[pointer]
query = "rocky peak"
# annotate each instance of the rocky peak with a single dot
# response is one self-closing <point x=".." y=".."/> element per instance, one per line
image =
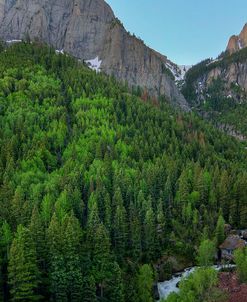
<point x="237" y="42"/>
<point x="88" y="30"/>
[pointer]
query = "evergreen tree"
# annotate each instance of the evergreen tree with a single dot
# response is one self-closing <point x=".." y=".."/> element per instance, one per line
<point x="119" y="231"/>
<point x="101" y="258"/>
<point x="149" y="234"/>
<point x="114" y="285"/>
<point x="135" y="233"/>
<point x="57" y="265"/>
<point x="224" y="196"/>
<point x="220" y="231"/>
<point x="23" y="269"/>
<point x="5" y="243"/>
<point x="145" y="283"/>
<point x="72" y="240"/>
<point x="89" y="290"/>
<point x="37" y="232"/>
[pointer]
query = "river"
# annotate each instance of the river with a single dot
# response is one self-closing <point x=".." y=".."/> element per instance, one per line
<point x="170" y="286"/>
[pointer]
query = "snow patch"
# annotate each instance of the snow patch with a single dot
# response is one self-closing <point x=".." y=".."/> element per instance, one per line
<point x="94" y="64"/>
<point x="60" y="51"/>
<point x="178" y="71"/>
<point x="184" y="69"/>
<point x="13" y="41"/>
<point x="239" y="44"/>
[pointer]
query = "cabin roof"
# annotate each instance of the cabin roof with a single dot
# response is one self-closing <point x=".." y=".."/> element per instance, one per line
<point x="232" y="242"/>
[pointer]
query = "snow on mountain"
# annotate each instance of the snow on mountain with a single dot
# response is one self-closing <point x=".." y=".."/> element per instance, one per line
<point x="60" y="51"/>
<point x="184" y="69"/>
<point x="178" y="71"/>
<point x="239" y="44"/>
<point x="13" y="41"/>
<point x="94" y="64"/>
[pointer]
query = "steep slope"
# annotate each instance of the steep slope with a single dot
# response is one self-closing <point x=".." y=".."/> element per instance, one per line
<point x="238" y="42"/>
<point x="87" y="30"/>
<point x="94" y="182"/>
<point x="218" y="88"/>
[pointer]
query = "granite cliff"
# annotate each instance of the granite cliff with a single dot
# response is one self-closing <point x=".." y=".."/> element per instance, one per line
<point x="88" y="30"/>
<point x="238" y="42"/>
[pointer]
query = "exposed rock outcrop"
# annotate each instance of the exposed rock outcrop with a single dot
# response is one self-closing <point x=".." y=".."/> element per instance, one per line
<point x="233" y="82"/>
<point x="238" y="42"/>
<point x="88" y="29"/>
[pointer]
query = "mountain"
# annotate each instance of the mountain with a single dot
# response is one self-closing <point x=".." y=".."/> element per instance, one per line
<point x="89" y="31"/>
<point x="217" y="88"/>
<point x="238" y="42"/>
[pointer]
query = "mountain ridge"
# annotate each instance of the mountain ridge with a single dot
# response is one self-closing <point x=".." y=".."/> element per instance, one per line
<point x="87" y="30"/>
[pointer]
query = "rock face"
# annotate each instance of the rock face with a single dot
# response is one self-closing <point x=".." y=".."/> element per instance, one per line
<point x="230" y="70"/>
<point x="88" y="29"/>
<point x="238" y="42"/>
<point x="234" y="80"/>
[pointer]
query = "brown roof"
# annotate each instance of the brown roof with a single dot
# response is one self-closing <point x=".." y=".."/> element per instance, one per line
<point x="232" y="242"/>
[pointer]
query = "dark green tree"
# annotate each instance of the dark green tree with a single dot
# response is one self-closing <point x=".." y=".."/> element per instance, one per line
<point x="22" y="268"/>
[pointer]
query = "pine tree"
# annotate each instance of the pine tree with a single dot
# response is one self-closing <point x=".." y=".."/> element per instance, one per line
<point x="161" y="224"/>
<point x="119" y="226"/>
<point x="101" y="257"/>
<point x="224" y="196"/>
<point x="37" y="232"/>
<point x="72" y="240"/>
<point x="149" y="234"/>
<point x="46" y="209"/>
<point x="114" y="285"/>
<point x="145" y="283"/>
<point x="135" y="233"/>
<point x="57" y="268"/>
<point x="17" y="206"/>
<point x="23" y="269"/>
<point x="5" y="244"/>
<point x="89" y="290"/>
<point x="220" y="231"/>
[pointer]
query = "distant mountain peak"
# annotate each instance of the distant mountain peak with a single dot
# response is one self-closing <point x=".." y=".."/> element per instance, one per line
<point x="238" y="42"/>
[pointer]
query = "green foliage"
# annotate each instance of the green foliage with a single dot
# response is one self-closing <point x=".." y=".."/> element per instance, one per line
<point x="145" y="280"/>
<point x="220" y="231"/>
<point x="102" y="180"/>
<point x="23" y="269"/>
<point x="206" y="253"/>
<point x="240" y="258"/>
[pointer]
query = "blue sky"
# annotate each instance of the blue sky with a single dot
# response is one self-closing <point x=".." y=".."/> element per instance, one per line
<point x="187" y="31"/>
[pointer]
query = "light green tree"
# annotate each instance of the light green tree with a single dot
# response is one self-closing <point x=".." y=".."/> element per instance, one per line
<point x="206" y="253"/>
<point x="145" y="281"/>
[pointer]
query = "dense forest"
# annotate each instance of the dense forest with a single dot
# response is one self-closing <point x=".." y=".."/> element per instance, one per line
<point x="98" y="182"/>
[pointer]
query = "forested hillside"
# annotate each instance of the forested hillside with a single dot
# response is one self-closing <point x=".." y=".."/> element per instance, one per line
<point x="96" y="182"/>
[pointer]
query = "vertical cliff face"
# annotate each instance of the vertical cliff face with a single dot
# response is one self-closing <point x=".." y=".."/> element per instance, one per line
<point x="236" y="43"/>
<point x="88" y="29"/>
